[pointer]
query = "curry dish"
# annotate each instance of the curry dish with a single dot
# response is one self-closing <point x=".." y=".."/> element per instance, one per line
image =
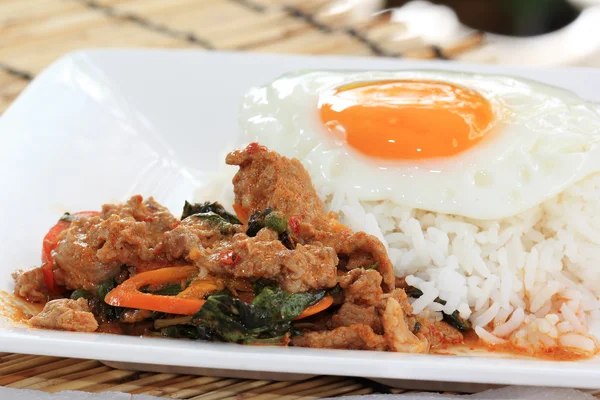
<point x="280" y="271"/>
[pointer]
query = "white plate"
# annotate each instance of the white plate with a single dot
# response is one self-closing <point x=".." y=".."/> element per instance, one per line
<point x="99" y="126"/>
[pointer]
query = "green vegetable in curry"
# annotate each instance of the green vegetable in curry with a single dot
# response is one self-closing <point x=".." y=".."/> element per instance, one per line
<point x="267" y="319"/>
<point x="104" y="288"/>
<point x="273" y="220"/>
<point x="81" y="294"/>
<point x="97" y="304"/>
<point x="276" y="221"/>
<point x="257" y="221"/>
<point x="216" y="220"/>
<point x="166" y="290"/>
<point x="208" y="207"/>
<point x="226" y="228"/>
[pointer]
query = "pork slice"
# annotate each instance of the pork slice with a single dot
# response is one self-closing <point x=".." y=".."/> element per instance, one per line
<point x="305" y="268"/>
<point x="92" y="250"/>
<point x="355" y="337"/>
<point x="362" y="287"/>
<point x="352" y="314"/>
<point x="397" y="333"/>
<point x="66" y="315"/>
<point x="267" y="179"/>
<point x="30" y="285"/>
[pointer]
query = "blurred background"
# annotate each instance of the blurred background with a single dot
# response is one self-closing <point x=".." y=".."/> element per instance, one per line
<point x="34" y="33"/>
<point x="511" y="17"/>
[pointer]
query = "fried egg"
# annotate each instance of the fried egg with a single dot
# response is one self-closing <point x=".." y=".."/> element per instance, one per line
<point x="479" y="146"/>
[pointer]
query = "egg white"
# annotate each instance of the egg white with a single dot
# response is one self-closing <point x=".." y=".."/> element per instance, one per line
<point x="544" y="139"/>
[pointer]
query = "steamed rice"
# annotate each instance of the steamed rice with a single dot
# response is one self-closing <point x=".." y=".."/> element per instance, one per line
<point x="531" y="280"/>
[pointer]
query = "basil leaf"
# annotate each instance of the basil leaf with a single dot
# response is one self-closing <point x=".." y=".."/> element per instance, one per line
<point x="207" y="207"/>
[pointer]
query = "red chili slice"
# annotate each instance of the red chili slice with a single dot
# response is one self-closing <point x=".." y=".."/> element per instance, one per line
<point x="229" y="258"/>
<point x="294" y="223"/>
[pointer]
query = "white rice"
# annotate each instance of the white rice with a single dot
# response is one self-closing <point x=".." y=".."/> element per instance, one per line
<point x="532" y="280"/>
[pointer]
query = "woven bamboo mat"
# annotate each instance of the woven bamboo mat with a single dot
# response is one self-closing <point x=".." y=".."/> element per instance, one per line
<point x="55" y="374"/>
<point x="33" y="33"/>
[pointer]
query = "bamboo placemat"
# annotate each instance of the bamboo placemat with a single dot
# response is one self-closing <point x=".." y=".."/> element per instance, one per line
<point x="33" y="33"/>
<point x="55" y="374"/>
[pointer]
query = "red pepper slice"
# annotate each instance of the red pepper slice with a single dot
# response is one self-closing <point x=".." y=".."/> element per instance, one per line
<point x="254" y="147"/>
<point x="128" y="294"/>
<point x="294" y="223"/>
<point x="229" y="258"/>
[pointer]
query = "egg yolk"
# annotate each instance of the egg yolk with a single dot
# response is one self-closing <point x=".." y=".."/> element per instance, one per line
<point x="407" y="119"/>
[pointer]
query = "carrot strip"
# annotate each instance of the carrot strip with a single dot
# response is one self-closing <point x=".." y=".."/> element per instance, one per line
<point x="188" y="302"/>
<point x="199" y="288"/>
<point x="127" y="294"/>
<point x="322" y="305"/>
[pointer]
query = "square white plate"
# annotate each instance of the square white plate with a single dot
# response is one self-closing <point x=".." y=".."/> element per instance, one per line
<point x="98" y="126"/>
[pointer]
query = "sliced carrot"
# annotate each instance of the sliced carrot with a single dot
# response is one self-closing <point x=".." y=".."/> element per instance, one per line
<point x="240" y="285"/>
<point x="199" y="288"/>
<point x="241" y="213"/>
<point x="322" y="305"/>
<point x="128" y="294"/>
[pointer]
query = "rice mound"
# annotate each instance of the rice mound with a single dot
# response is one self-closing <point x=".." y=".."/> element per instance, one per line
<point x="531" y="281"/>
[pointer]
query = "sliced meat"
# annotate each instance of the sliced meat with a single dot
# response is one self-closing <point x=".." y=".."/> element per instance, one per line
<point x="438" y="333"/>
<point x="367" y="304"/>
<point x="76" y="256"/>
<point x="362" y="287"/>
<point x="304" y="268"/>
<point x="66" y="315"/>
<point x="355" y="337"/>
<point x="266" y="179"/>
<point x="266" y="235"/>
<point x="195" y="232"/>
<point x="352" y="314"/>
<point x="400" y="296"/>
<point x="362" y="249"/>
<point x="158" y="217"/>
<point x="93" y="249"/>
<point x="122" y="239"/>
<point x="360" y="260"/>
<point x="396" y="332"/>
<point x="30" y="285"/>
